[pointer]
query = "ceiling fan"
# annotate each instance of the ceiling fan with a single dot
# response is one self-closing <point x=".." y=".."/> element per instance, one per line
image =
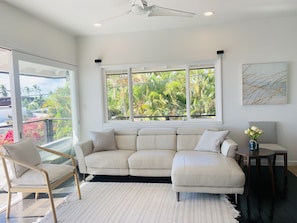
<point x="140" y="7"/>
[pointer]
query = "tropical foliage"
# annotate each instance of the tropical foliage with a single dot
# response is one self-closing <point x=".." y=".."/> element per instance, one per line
<point x="161" y="95"/>
<point x="57" y="116"/>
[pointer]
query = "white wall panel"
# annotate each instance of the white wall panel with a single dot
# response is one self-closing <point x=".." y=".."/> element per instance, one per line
<point x="25" y="33"/>
<point x="270" y="40"/>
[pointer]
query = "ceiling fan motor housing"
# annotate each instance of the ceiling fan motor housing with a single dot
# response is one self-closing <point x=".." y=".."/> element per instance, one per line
<point x="139" y="7"/>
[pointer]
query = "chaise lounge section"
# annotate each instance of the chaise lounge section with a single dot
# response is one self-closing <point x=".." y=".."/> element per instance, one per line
<point x="205" y="169"/>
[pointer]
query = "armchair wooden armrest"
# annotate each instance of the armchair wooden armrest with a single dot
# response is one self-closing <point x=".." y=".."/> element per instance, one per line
<point x="58" y="154"/>
<point x="20" y="162"/>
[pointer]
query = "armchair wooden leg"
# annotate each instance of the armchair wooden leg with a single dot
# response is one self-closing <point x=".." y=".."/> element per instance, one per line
<point x="77" y="184"/>
<point x="50" y="196"/>
<point x="8" y="204"/>
<point x="36" y="195"/>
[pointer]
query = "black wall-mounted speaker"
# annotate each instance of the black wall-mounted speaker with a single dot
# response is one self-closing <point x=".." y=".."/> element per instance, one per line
<point x="220" y="52"/>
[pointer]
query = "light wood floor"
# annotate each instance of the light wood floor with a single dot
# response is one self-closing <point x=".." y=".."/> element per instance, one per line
<point x="31" y="210"/>
<point x="293" y="169"/>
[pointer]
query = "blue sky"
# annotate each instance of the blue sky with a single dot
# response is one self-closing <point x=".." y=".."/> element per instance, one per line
<point x="46" y="84"/>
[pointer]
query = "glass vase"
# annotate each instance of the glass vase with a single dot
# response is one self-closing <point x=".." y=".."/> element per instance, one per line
<point x="253" y="145"/>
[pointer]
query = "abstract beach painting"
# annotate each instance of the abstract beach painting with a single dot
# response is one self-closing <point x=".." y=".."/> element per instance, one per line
<point x="264" y="83"/>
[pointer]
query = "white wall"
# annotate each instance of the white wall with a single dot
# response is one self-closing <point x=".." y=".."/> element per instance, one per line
<point x="25" y="33"/>
<point x="22" y="32"/>
<point x="271" y="40"/>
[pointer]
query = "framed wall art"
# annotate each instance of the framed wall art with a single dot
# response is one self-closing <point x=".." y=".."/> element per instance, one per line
<point x="264" y="83"/>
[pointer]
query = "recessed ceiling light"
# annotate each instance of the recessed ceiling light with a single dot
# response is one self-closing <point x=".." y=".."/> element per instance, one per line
<point x="97" y="24"/>
<point x="209" y="13"/>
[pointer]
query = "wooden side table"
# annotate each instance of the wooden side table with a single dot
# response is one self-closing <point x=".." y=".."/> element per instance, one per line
<point x="257" y="155"/>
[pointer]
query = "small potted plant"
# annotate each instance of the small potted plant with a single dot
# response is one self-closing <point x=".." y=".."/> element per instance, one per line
<point x="254" y="133"/>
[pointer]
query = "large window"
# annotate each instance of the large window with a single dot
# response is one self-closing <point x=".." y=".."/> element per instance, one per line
<point x="202" y="92"/>
<point x="159" y="95"/>
<point x="163" y="93"/>
<point x="117" y="96"/>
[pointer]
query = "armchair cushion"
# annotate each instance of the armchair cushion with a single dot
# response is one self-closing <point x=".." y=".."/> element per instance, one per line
<point x="103" y="141"/>
<point x="211" y="140"/>
<point x="24" y="150"/>
<point x="36" y="178"/>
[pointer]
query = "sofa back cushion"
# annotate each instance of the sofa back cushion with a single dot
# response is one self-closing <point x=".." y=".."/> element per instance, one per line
<point x="188" y="138"/>
<point x="156" y="139"/>
<point x="126" y="138"/>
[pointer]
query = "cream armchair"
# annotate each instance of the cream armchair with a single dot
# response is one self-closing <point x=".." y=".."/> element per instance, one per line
<point x="24" y="171"/>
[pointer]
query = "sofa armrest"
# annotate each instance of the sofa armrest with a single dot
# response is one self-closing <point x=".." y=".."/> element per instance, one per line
<point x="82" y="149"/>
<point x="229" y="147"/>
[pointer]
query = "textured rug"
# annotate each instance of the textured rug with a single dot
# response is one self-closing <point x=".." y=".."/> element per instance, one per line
<point x="142" y="203"/>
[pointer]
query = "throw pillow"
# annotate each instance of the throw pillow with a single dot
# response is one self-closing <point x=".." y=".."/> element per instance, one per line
<point x="24" y="150"/>
<point x="103" y="141"/>
<point x="211" y="140"/>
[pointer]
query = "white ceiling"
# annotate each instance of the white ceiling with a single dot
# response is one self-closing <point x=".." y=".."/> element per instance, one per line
<point x="78" y="16"/>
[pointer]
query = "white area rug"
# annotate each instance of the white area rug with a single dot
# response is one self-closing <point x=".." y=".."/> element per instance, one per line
<point x="142" y="203"/>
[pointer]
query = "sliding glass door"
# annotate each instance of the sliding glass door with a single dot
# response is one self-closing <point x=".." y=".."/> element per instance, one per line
<point x="42" y="103"/>
<point x="37" y="100"/>
<point x="46" y="103"/>
<point x="6" y="123"/>
<point x="6" y="133"/>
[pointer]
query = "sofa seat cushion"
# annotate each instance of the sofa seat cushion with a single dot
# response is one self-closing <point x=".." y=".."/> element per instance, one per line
<point x="196" y="168"/>
<point x="115" y="159"/>
<point x="151" y="159"/>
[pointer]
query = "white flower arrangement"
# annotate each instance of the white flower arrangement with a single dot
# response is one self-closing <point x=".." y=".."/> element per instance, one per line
<point x="253" y="132"/>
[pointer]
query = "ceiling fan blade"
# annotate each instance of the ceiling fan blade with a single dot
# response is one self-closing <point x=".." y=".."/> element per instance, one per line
<point x="161" y="11"/>
<point x="114" y="17"/>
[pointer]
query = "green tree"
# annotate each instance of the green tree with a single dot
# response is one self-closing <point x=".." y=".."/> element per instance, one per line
<point x="202" y="93"/>
<point x="3" y="90"/>
<point x="118" y="99"/>
<point x="58" y="105"/>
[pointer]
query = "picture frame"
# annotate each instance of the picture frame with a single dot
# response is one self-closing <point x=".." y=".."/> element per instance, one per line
<point x="264" y="83"/>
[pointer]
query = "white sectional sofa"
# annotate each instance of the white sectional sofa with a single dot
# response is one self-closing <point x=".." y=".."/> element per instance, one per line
<point x="184" y="154"/>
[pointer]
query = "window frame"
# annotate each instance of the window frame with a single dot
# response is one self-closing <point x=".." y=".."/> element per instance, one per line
<point x="17" y="56"/>
<point x="132" y="68"/>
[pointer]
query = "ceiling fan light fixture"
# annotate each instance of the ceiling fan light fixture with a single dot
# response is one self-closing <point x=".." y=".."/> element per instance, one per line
<point x="209" y="13"/>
